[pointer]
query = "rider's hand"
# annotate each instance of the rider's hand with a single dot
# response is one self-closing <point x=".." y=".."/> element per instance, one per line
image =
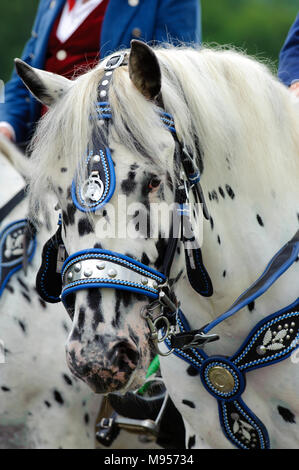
<point x="7" y="132"/>
<point x="295" y="88"/>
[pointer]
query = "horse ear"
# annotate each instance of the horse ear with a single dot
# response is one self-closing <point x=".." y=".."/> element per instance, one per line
<point x="144" y="69"/>
<point x="47" y="87"/>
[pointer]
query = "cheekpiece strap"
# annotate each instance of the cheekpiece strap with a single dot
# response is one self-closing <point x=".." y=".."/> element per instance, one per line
<point x="99" y="186"/>
<point x="48" y="279"/>
<point x="103" y="268"/>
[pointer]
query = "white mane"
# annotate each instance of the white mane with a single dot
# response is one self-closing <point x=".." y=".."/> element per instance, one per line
<point x="230" y="103"/>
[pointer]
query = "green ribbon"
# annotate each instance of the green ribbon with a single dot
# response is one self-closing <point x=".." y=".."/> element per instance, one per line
<point x="153" y="367"/>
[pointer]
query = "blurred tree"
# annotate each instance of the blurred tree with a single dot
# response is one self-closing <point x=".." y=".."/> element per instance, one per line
<point x="16" y="22"/>
<point x="258" y="26"/>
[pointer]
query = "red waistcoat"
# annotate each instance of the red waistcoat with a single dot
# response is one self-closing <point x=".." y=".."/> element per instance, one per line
<point x="81" y="51"/>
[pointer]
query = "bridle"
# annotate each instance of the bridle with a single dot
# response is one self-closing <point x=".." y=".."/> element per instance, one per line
<point x="98" y="268"/>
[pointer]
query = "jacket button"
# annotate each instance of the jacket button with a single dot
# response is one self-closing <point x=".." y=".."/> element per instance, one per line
<point x="61" y="55"/>
<point x="31" y="55"/>
<point x="34" y="34"/>
<point x="136" y="32"/>
<point x="53" y="3"/>
<point x="133" y="3"/>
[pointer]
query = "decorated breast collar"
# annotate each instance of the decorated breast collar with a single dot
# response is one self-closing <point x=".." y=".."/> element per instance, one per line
<point x="272" y="340"/>
<point x="13" y="250"/>
<point x="17" y="241"/>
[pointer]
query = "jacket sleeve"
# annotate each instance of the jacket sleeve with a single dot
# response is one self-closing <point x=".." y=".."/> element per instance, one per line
<point x="288" y="69"/>
<point x="178" y="21"/>
<point x="16" y="107"/>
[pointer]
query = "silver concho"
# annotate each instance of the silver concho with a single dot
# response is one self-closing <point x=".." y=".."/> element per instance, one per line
<point x="93" y="188"/>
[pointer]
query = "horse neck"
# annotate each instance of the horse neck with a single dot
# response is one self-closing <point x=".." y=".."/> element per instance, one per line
<point x="252" y="217"/>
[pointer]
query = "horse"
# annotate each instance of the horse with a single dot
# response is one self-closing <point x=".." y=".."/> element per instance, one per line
<point x="42" y="406"/>
<point x="214" y="136"/>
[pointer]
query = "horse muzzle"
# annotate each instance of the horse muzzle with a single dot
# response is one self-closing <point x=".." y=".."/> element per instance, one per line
<point x="107" y="369"/>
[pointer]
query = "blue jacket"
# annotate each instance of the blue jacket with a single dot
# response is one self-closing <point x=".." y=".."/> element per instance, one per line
<point x="156" y="20"/>
<point x="288" y="69"/>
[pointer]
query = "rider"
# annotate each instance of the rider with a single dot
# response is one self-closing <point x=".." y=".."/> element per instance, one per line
<point x="288" y="70"/>
<point x="72" y="34"/>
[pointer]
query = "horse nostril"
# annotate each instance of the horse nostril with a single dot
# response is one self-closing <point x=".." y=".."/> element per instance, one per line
<point x="124" y="355"/>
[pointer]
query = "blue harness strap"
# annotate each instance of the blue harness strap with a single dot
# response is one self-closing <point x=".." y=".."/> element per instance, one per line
<point x="12" y="250"/>
<point x="272" y="340"/>
<point x="280" y="262"/>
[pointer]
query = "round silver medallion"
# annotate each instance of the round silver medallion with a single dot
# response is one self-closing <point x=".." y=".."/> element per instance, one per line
<point x="93" y="188"/>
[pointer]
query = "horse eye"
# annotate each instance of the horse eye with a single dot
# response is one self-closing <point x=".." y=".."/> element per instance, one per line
<point x="154" y="182"/>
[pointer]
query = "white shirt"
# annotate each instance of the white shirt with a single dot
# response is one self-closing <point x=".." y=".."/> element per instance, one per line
<point x="69" y="22"/>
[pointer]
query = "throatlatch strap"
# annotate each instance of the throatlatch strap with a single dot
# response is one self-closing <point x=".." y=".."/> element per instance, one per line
<point x="276" y="267"/>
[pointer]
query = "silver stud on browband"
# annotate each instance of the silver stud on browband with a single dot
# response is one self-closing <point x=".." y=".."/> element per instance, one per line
<point x="101" y="265"/>
<point x="77" y="267"/>
<point x="144" y="281"/>
<point x="70" y="276"/>
<point x="112" y="273"/>
<point x="105" y="82"/>
<point x="96" y="158"/>
<point x="103" y="93"/>
<point x="88" y="272"/>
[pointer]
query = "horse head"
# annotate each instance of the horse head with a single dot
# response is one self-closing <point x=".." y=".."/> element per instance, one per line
<point x="117" y="202"/>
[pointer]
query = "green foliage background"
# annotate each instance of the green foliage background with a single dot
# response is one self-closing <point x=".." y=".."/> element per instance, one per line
<point x="258" y="26"/>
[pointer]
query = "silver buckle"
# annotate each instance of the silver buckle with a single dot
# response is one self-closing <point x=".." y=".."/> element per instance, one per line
<point x="60" y="258"/>
<point x="120" y="59"/>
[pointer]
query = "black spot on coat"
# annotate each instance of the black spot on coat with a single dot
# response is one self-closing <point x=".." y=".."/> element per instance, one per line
<point x="188" y="403"/>
<point x="128" y="185"/>
<point x="260" y="220"/>
<point x="286" y="414"/>
<point x="192" y="371"/>
<point x="58" y="397"/>
<point x="229" y="191"/>
<point x="67" y="379"/>
<point x="221" y="192"/>
<point x="84" y="227"/>
<point x="23" y="284"/>
<point x="191" y="442"/>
